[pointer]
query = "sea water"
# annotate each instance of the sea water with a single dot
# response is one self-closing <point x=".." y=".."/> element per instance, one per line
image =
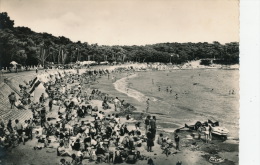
<point x="197" y="95"/>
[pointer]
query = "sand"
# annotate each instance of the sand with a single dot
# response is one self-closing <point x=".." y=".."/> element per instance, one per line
<point x="189" y="154"/>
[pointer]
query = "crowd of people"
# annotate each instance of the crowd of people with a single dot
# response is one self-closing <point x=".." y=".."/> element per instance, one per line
<point x="65" y="118"/>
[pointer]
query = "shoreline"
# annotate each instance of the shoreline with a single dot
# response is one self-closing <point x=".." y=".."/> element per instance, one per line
<point x="122" y="85"/>
<point x="200" y="152"/>
<point x="209" y="115"/>
<point x="199" y="156"/>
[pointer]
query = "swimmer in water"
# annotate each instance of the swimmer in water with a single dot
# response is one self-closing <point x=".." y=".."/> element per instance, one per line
<point x="176" y="96"/>
<point x="170" y="89"/>
<point x="159" y="88"/>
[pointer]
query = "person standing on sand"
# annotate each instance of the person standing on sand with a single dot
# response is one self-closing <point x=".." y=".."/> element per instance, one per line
<point x="199" y="130"/>
<point x="147" y="123"/>
<point x="2" y="127"/>
<point x="12" y="99"/>
<point x="147" y="105"/>
<point x="50" y="104"/>
<point x="150" y="142"/>
<point x="112" y="79"/>
<point x="206" y="133"/>
<point x="153" y="126"/>
<point x="18" y="127"/>
<point x="177" y="141"/>
<point x="9" y="126"/>
<point x="116" y="103"/>
<point x="210" y="135"/>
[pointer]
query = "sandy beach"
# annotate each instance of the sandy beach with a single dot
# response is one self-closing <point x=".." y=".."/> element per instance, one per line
<point x="135" y="88"/>
<point x="181" y="114"/>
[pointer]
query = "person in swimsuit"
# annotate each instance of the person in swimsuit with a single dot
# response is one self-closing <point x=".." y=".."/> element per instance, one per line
<point x="206" y="133"/>
<point x="147" y="105"/>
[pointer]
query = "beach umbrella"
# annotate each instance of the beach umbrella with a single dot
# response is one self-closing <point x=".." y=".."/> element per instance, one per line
<point x="13" y="63"/>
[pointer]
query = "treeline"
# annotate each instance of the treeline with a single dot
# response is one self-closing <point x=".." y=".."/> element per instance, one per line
<point x="27" y="47"/>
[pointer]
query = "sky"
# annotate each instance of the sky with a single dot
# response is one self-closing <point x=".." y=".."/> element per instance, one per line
<point x="129" y="22"/>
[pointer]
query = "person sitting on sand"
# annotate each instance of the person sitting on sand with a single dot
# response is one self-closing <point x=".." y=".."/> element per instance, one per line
<point x="42" y="98"/>
<point x="76" y="159"/>
<point x="118" y="158"/>
<point x="165" y="147"/>
<point x="63" y="162"/>
<point x="61" y="151"/>
<point x="160" y="139"/>
<point x="100" y="152"/>
<point x="116" y="119"/>
<point x="105" y="105"/>
<point x="137" y="125"/>
<point x="179" y="163"/>
<point x="150" y="161"/>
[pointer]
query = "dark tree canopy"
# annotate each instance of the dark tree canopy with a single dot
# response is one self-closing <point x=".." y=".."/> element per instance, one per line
<point x="5" y="21"/>
<point x="27" y="47"/>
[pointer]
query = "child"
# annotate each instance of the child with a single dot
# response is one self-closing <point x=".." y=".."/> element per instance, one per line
<point x="150" y="161"/>
<point x="160" y="139"/>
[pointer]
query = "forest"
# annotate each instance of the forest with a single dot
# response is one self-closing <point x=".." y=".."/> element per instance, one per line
<point x="27" y="47"/>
